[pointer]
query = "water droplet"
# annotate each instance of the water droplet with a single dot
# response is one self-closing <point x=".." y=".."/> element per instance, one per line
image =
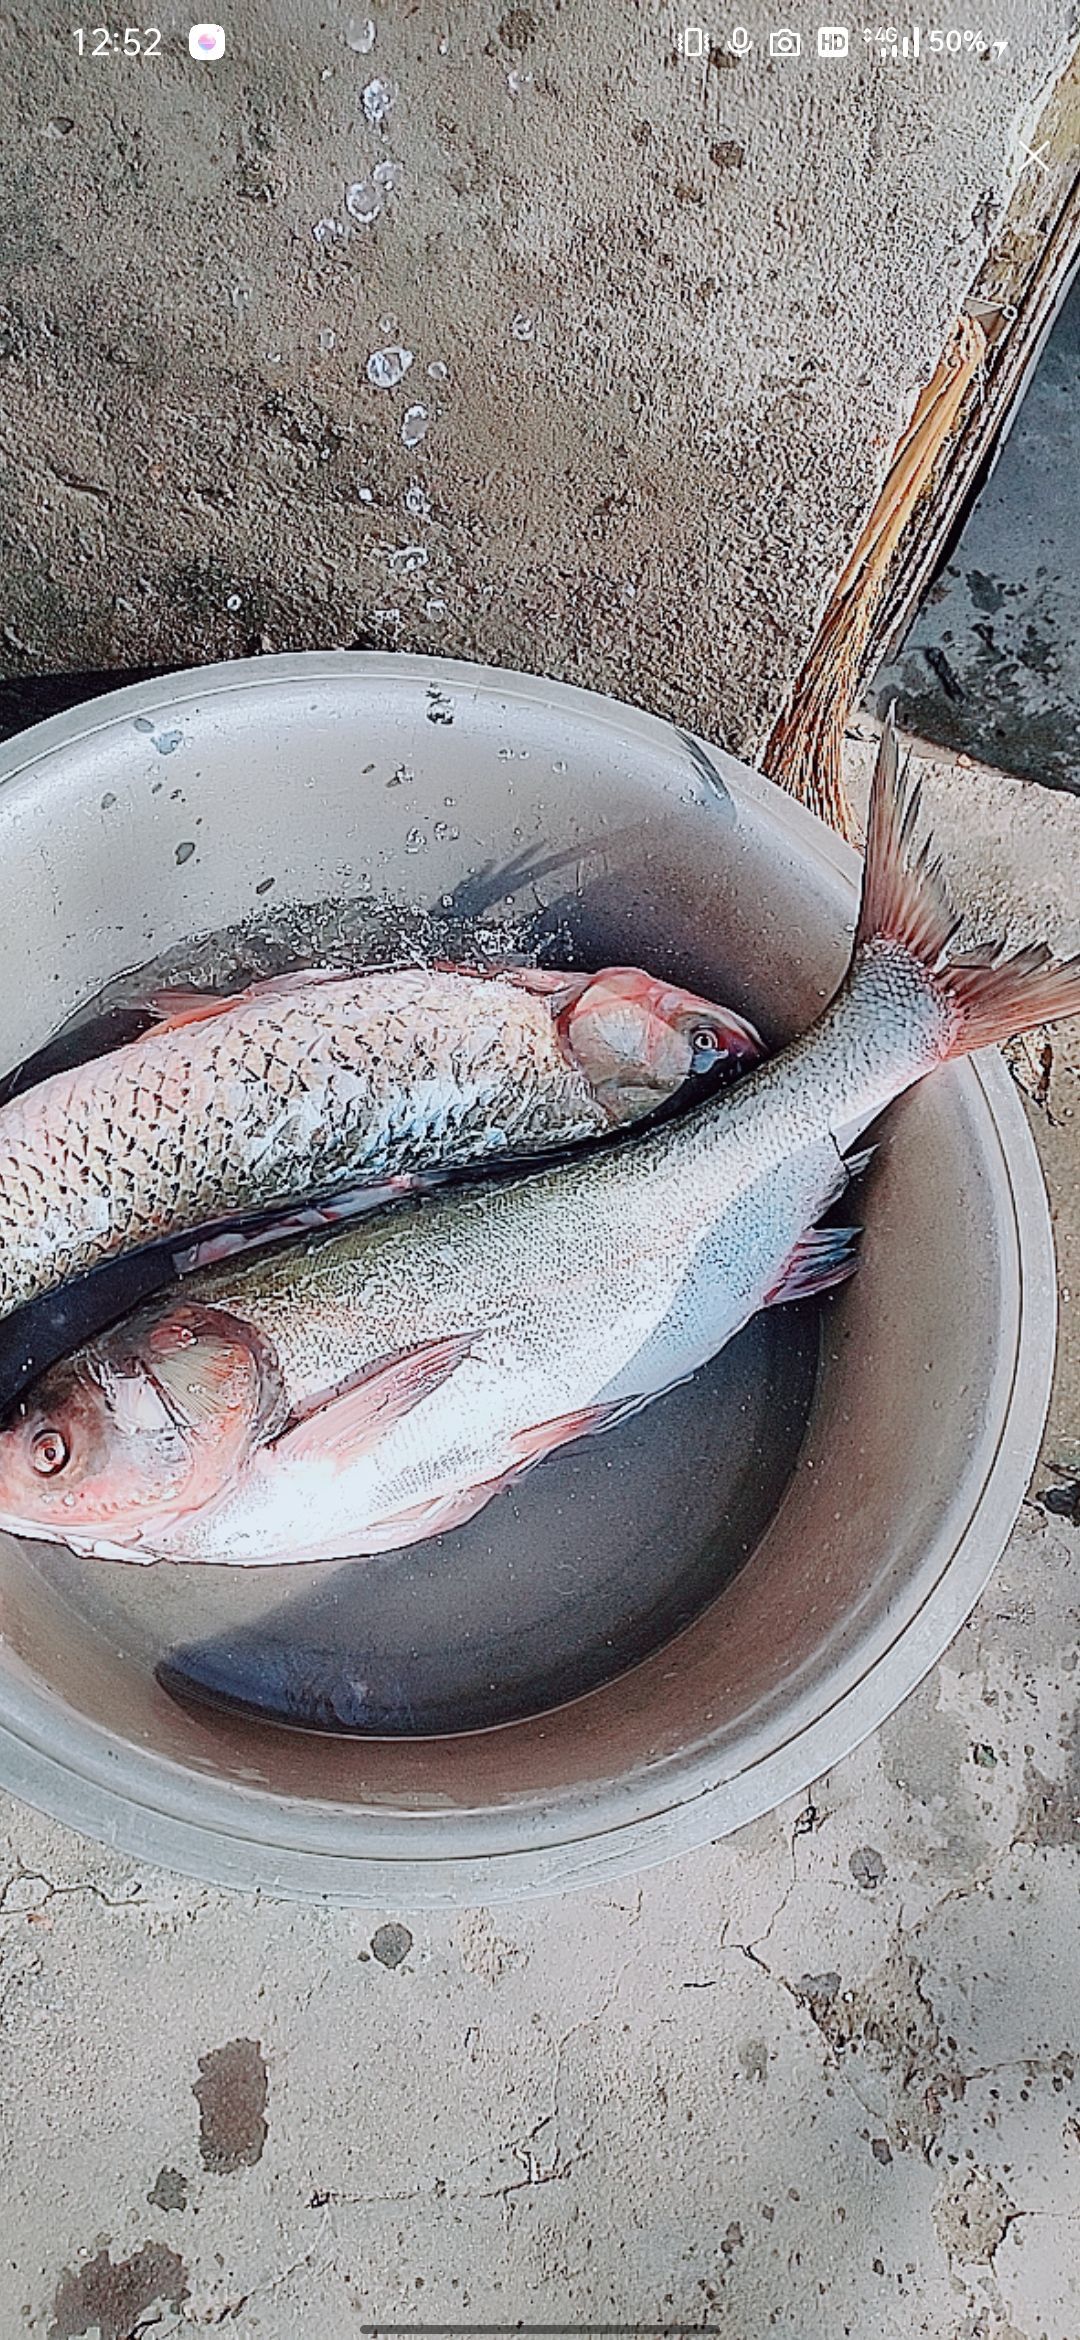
<point x="388" y="175"/>
<point x="522" y="327"/>
<point x="363" y="201"/>
<point x="167" y="742"/>
<point x="325" y="230"/>
<point x="414" y="425"/>
<point x="449" y="802"/>
<point x="416" y="502"/>
<point x="144" y="722"/>
<point x="437" y="371"/>
<point x="233" y="601"/>
<point x="440" y="831"/>
<point x="360" y="34"/>
<point x="327" y="337"/>
<point x="406" y="559"/>
<point x="516" y="81"/>
<point x="184" y="852"/>
<point x="388" y="324"/>
<point x="378" y="98"/>
<point x="559" y="767"/>
<point x="414" y="841"/>
<point x="387" y="367"/>
<point x="435" y="609"/>
<point x="365" y="496"/>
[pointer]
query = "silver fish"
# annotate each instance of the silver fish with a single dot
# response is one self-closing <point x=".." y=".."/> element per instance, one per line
<point x="316" y="1082"/>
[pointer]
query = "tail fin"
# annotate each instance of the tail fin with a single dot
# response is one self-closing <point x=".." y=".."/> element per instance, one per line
<point x="987" y="998"/>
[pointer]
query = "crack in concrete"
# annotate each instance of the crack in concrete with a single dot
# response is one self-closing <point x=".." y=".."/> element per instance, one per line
<point x="54" y="1891"/>
<point x="833" y="2061"/>
<point x="270" y="2283"/>
<point x="537" y="2172"/>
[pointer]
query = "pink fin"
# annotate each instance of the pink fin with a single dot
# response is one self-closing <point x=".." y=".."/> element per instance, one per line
<point x="903" y="896"/>
<point x="180" y="1004"/>
<point x="349" y="1423"/>
<point x="560" y="990"/>
<point x="353" y="1202"/>
<point x="436" y="1517"/>
<point x="822" y="1257"/>
<point x="541" y="1438"/>
<point x="987" y="999"/>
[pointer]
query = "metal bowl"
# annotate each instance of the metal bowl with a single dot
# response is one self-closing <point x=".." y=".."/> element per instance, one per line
<point x="132" y="825"/>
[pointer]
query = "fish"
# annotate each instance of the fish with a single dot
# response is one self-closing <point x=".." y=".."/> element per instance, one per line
<point x="375" y="1386"/>
<point x="326" y="1084"/>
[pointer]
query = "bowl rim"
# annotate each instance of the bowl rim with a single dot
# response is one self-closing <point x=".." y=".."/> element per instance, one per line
<point x="240" y="1836"/>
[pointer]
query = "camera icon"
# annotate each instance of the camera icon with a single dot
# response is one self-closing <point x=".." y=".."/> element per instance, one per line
<point x="206" y="41"/>
<point x="785" y="43"/>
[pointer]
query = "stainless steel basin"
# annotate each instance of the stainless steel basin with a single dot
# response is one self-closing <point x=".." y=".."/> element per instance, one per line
<point x="162" y="812"/>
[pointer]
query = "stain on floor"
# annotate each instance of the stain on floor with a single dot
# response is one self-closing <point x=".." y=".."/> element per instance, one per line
<point x="231" y="2092"/>
<point x="391" y="1944"/>
<point x="110" y="2297"/>
<point x="169" y="2190"/>
<point x="972" y="2215"/>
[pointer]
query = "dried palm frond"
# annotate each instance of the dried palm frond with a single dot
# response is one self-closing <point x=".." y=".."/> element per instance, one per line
<point x="803" y="751"/>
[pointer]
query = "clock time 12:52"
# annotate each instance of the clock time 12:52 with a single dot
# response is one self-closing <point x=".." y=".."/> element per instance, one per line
<point x="130" y="42"/>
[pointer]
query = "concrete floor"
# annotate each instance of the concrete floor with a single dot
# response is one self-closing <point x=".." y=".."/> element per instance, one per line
<point x="820" y="2079"/>
<point x="992" y="663"/>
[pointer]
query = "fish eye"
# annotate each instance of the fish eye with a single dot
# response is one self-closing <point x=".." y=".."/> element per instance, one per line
<point x="49" y="1452"/>
<point x="705" y="1041"/>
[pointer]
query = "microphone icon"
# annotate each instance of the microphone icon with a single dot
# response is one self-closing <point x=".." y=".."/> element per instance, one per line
<point x="740" y="43"/>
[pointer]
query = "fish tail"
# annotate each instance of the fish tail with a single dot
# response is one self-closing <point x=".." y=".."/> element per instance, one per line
<point x="984" y="997"/>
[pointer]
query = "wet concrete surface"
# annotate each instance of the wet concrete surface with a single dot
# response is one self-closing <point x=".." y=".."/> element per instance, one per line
<point x="992" y="664"/>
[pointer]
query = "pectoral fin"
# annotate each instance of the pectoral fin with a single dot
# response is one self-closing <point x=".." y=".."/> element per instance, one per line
<point x="347" y="1424"/>
<point x="541" y="1438"/>
<point x="253" y="1231"/>
<point x="436" y="1517"/>
<point x="822" y="1257"/>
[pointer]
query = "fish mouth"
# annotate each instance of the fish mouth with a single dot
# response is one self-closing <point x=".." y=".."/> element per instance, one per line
<point x="741" y="1041"/>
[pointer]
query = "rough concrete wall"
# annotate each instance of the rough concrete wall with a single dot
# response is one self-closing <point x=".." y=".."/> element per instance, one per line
<point x="665" y="319"/>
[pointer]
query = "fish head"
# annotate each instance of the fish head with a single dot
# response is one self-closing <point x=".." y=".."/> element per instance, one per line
<point x="637" y="1040"/>
<point x="141" y="1426"/>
